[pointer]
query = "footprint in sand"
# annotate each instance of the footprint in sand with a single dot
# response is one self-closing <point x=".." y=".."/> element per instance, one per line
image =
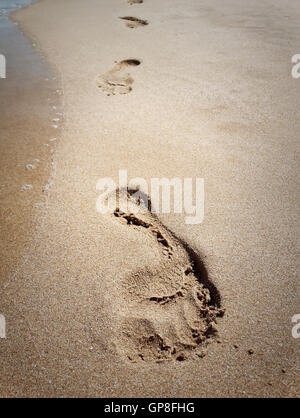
<point x="168" y="311"/>
<point x="118" y="80"/>
<point x="134" y="22"/>
<point x="135" y="1"/>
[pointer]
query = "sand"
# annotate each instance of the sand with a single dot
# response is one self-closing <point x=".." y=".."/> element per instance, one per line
<point x="94" y="308"/>
<point x="29" y="103"/>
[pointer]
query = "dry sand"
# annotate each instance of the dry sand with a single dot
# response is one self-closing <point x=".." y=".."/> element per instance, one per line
<point x="93" y="309"/>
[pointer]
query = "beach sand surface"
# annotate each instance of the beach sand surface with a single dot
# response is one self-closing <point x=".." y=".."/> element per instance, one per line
<point x="213" y="98"/>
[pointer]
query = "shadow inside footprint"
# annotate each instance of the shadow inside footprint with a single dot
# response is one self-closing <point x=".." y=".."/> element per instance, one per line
<point x="117" y="80"/>
<point x="134" y="22"/>
<point x="130" y="62"/>
<point x="135" y="1"/>
<point x="170" y="310"/>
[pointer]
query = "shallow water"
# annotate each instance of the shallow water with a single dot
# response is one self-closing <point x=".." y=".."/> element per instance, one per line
<point x="7" y="6"/>
<point x="22" y="61"/>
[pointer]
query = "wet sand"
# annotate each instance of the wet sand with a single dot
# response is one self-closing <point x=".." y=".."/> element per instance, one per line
<point x="27" y="100"/>
<point x="212" y="97"/>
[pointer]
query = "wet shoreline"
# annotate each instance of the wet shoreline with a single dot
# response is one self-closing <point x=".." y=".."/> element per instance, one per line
<point x="30" y="105"/>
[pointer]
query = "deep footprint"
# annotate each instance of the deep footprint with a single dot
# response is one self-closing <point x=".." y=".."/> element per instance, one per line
<point x="118" y="80"/>
<point x="171" y="310"/>
<point x="134" y="22"/>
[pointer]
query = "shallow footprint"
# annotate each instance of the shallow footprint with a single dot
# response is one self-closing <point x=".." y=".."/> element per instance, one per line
<point x="118" y="80"/>
<point x="134" y="22"/>
<point x="168" y="311"/>
<point x="135" y="1"/>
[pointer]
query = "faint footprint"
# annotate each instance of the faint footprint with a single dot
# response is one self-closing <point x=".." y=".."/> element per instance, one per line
<point x="134" y="22"/>
<point x="169" y="310"/>
<point x="118" y="80"/>
<point x="135" y="1"/>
